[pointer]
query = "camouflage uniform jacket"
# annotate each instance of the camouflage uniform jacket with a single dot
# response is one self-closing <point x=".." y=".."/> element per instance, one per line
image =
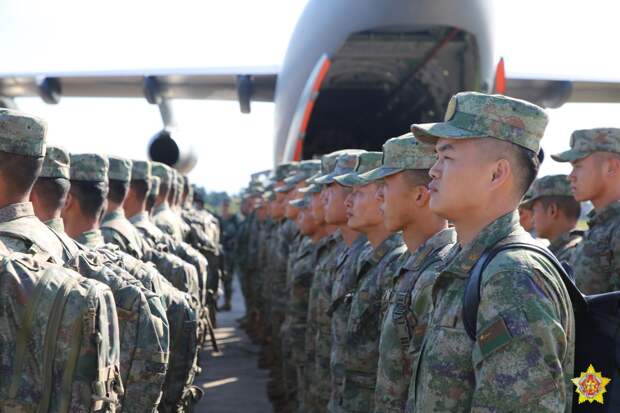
<point x="597" y="259"/>
<point x="22" y="231"/>
<point x="117" y="230"/>
<point x="323" y="252"/>
<point x="361" y="349"/>
<point x="325" y="271"/>
<point x="284" y="239"/>
<point x="297" y="306"/>
<point x="242" y="244"/>
<point x="230" y="230"/>
<point x="522" y="359"/>
<point x="345" y="279"/>
<point x="166" y="220"/>
<point x="407" y="307"/>
<point x="564" y="246"/>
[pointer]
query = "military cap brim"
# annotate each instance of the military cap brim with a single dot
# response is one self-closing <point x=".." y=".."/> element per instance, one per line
<point x="312" y="189"/>
<point x="326" y="179"/>
<point x="300" y="203"/>
<point x="570" y="155"/>
<point x="351" y="179"/>
<point x="285" y="188"/>
<point x="431" y="133"/>
<point x="380" y="173"/>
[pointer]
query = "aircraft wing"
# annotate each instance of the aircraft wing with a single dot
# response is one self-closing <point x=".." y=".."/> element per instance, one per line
<point x="553" y="93"/>
<point x="242" y="84"/>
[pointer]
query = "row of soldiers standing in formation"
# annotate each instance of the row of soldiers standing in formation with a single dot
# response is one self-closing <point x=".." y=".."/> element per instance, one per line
<point x="355" y="266"/>
<point x="107" y="271"/>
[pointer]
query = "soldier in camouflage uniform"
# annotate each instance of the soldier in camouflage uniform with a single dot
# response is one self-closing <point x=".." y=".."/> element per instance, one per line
<point x="488" y="156"/>
<point x="332" y="196"/>
<point x="288" y="333"/>
<point x="283" y="234"/>
<point x="88" y="173"/>
<point x="115" y="227"/>
<point x="556" y="213"/>
<point x="163" y="216"/>
<point x="406" y="302"/>
<point x="22" y="148"/>
<point x="345" y="275"/>
<point x="135" y="209"/>
<point x="302" y="270"/>
<point x="230" y="227"/>
<point x="595" y="156"/>
<point x="324" y="249"/>
<point x="354" y="286"/>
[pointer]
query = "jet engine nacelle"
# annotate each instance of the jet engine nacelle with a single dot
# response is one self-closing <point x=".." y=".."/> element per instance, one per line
<point x="170" y="147"/>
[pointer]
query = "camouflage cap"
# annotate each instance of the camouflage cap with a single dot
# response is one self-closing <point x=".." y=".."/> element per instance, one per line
<point x="154" y="188"/>
<point x="301" y="203"/>
<point x="55" y="163"/>
<point x="162" y="171"/>
<point x="311" y="189"/>
<point x="305" y="170"/>
<point x="367" y="162"/>
<point x="345" y="162"/>
<point x="328" y="163"/>
<point x="552" y="185"/>
<point x="22" y="134"/>
<point x="284" y="170"/>
<point x="89" y="167"/>
<point x="140" y="170"/>
<point x="587" y="141"/>
<point x="478" y="115"/>
<point x="120" y="169"/>
<point x="401" y="153"/>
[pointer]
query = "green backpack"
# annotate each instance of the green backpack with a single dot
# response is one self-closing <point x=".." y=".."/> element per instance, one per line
<point x="59" y="340"/>
<point x="143" y="328"/>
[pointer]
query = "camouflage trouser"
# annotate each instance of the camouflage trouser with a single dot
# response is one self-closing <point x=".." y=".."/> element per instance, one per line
<point x="228" y="271"/>
<point x="299" y="372"/>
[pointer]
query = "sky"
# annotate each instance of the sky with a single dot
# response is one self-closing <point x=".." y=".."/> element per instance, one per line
<point x="567" y="39"/>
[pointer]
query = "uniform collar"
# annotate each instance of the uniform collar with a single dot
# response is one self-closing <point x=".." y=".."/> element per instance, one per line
<point x="467" y="256"/>
<point x="91" y="239"/>
<point x="387" y="245"/>
<point x="161" y="207"/>
<point x="56" y="224"/>
<point x="15" y="211"/>
<point x="564" y="239"/>
<point x="139" y="217"/>
<point x="439" y="240"/>
<point x="597" y="217"/>
<point x="114" y="215"/>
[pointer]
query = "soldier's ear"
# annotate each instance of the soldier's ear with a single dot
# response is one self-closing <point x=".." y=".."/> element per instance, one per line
<point x="422" y="196"/>
<point x="612" y="165"/>
<point x="500" y="173"/>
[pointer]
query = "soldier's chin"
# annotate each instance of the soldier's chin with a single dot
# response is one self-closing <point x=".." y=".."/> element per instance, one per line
<point x="436" y="205"/>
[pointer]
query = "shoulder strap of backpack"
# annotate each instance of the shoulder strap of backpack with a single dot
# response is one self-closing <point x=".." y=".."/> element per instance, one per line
<point x="471" y="296"/>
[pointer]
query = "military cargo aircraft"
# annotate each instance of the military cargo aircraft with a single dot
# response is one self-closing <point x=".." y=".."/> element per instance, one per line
<point x="356" y="72"/>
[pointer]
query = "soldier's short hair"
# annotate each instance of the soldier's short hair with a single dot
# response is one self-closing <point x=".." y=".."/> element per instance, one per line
<point x="19" y="172"/>
<point x="524" y="162"/>
<point x="567" y="204"/>
<point x="141" y="188"/>
<point x="52" y="192"/>
<point x="91" y="195"/>
<point x="416" y="177"/>
<point x="118" y="190"/>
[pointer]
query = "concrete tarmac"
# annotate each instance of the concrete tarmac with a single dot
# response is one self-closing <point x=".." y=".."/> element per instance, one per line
<point x="231" y="380"/>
